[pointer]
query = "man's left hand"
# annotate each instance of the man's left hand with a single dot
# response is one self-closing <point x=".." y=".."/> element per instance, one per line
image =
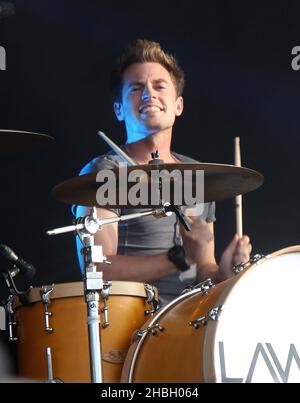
<point x="238" y="251"/>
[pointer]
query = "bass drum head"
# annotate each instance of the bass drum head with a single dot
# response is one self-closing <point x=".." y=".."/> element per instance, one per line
<point x="257" y="338"/>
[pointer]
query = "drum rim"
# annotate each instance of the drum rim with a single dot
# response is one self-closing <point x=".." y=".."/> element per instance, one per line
<point x="75" y="289"/>
<point x="161" y="312"/>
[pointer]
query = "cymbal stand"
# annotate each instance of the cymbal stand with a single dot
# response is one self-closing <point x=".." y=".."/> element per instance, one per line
<point x="86" y="227"/>
<point x="93" y="284"/>
<point x="169" y="207"/>
<point x="81" y="222"/>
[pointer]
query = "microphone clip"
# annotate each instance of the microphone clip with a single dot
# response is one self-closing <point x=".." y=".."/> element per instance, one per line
<point x="11" y="285"/>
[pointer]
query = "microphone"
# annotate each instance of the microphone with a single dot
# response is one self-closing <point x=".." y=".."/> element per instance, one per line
<point x="7" y="9"/>
<point x="25" y="268"/>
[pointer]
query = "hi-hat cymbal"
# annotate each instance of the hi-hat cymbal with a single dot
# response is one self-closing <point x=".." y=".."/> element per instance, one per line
<point x="220" y="182"/>
<point x="17" y="142"/>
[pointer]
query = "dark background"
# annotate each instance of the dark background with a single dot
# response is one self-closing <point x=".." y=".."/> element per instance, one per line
<point x="237" y="59"/>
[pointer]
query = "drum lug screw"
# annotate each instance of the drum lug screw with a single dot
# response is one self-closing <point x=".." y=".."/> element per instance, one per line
<point x="150" y="330"/>
<point x="242" y="266"/>
<point x="153" y="329"/>
<point x="237" y="269"/>
<point x="213" y="315"/>
<point x="152" y="299"/>
<point x="104" y="310"/>
<point x="11" y="318"/>
<point x="45" y="293"/>
<point x="104" y="296"/>
<point x="198" y="322"/>
<point x="204" y="287"/>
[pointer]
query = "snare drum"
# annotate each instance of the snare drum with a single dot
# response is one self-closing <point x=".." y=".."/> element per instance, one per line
<point x="245" y="329"/>
<point x="62" y="326"/>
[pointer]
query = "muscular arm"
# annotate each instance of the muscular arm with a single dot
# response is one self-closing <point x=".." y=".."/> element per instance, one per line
<point x="131" y="268"/>
<point x="199" y="247"/>
<point x="206" y="263"/>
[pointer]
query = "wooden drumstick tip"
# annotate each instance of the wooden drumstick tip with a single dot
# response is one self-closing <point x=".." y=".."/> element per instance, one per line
<point x="238" y="199"/>
<point x="237" y="152"/>
<point x="117" y="149"/>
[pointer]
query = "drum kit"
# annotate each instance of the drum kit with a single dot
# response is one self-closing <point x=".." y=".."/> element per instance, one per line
<point x="241" y="330"/>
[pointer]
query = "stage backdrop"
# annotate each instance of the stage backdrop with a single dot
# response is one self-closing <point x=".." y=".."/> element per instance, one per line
<point x="240" y="82"/>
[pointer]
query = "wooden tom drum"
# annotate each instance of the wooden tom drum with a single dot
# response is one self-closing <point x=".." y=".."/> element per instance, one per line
<point x="62" y="326"/>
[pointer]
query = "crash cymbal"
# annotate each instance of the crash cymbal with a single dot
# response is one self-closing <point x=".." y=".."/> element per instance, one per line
<point x="17" y="142"/>
<point x="220" y="182"/>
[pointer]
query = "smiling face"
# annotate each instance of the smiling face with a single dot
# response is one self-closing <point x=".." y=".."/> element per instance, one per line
<point x="149" y="101"/>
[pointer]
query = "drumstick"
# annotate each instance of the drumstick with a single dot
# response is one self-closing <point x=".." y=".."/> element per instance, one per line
<point x="117" y="149"/>
<point x="238" y="199"/>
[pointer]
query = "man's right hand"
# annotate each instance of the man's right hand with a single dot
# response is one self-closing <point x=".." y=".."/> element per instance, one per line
<point x="198" y="241"/>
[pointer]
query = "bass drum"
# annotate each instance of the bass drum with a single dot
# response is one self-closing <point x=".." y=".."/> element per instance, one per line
<point x="245" y="329"/>
<point x="62" y="326"/>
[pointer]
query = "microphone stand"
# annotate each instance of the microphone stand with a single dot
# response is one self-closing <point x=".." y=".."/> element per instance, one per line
<point x="8" y="277"/>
